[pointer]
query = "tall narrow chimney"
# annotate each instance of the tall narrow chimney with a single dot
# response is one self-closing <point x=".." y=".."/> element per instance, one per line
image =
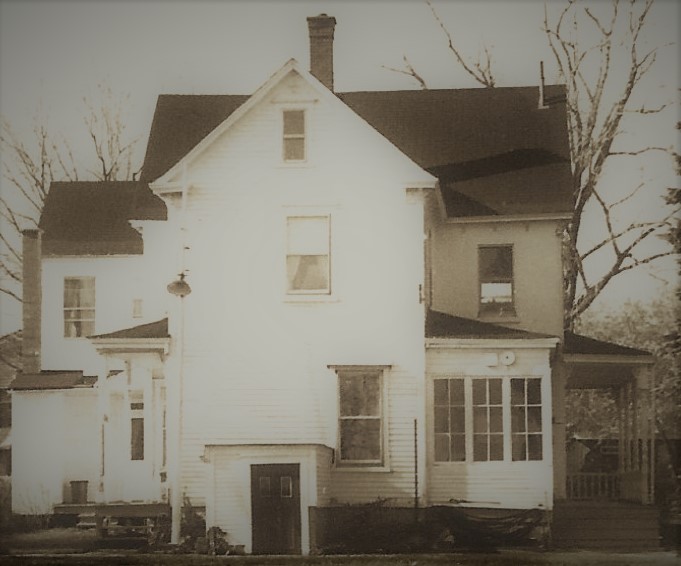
<point x="321" y="29"/>
<point x="32" y="301"/>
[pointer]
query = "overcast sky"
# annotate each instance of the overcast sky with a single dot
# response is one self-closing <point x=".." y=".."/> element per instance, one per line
<point x="53" y="53"/>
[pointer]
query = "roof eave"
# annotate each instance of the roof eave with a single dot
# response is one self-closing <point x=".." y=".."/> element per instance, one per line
<point x="492" y="342"/>
<point x="559" y="216"/>
<point x="609" y="359"/>
<point x="131" y="345"/>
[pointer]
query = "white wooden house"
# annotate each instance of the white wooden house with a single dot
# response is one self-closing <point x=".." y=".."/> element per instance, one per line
<point x="365" y="305"/>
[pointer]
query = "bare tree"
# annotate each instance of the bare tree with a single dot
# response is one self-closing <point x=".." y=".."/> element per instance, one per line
<point x="29" y="167"/>
<point x="597" y="102"/>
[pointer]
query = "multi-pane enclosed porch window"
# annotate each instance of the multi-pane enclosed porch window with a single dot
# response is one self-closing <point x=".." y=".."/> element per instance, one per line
<point x="487" y="419"/>
<point x="79" y="306"/>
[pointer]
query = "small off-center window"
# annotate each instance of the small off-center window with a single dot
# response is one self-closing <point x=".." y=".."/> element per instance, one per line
<point x="294" y="135"/>
<point x="79" y="306"/>
<point x="495" y="265"/>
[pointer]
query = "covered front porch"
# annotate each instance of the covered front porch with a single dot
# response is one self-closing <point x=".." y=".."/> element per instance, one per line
<point x="617" y="464"/>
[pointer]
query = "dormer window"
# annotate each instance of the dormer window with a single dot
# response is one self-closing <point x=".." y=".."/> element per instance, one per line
<point x="495" y="264"/>
<point x="294" y="135"/>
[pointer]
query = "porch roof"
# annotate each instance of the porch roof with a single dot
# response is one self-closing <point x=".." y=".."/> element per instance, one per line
<point x="46" y="380"/>
<point x="583" y="345"/>
<point x="157" y="329"/>
<point x="442" y="325"/>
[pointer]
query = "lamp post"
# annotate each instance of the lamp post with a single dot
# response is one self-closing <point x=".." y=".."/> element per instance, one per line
<point x="179" y="288"/>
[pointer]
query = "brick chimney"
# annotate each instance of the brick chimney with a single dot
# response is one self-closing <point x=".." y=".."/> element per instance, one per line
<point x="321" y="29"/>
<point x="32" y="301"/>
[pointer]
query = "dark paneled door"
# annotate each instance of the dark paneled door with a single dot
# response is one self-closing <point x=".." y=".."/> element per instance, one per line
<point x="275" y="504"/>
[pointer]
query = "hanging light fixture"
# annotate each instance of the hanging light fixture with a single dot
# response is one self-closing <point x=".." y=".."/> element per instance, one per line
<point x="179" y="287"/>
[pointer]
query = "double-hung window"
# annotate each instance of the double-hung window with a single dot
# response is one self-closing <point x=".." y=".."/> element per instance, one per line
<point x="495" y="264"/>
<point x="294" y="135"/>
<point x="487" y="419"/>
<point x="361" y="417"/>
<point x="79" y="306"/>
<point x="307" y="255"/>
<point x="136" y="425"/>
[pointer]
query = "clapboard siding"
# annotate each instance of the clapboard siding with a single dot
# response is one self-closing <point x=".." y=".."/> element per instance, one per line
<point x="55" y="441"/>
<point x="396" y="481"/>
<point x="255" y="361"/>
<point x="507" y="484"/>
<point x="118" y="281"/>
<point x="230" y="471"/>
<point x="539" y="306"/>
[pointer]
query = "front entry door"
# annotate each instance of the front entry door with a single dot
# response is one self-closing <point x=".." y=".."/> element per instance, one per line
<point x="275" y="504"/>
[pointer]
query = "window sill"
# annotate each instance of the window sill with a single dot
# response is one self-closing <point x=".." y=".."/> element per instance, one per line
<point x="311" y="298"/>
<point x="354" y="469"/>
<point x="487" y="463"/>
<point x="293" y="164"/>
<point x="510" y="319"/>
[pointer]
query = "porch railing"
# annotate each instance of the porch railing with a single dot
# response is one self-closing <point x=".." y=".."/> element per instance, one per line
<point x="593" y="486"/>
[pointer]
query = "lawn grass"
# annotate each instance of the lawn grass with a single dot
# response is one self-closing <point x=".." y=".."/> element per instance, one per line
<point x="77" y="547"/>
<point x="506" y="558"/>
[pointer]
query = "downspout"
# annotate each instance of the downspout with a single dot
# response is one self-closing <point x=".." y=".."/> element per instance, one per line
<point x="179" y="288"/>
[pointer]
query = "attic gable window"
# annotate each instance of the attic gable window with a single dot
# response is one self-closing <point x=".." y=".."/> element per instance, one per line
<point x="79" y="306"/>
<point x="294" y="135"/>
<point x="495" y="264"/>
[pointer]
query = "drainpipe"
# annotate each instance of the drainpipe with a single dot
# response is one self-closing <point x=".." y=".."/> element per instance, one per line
<point x="179" y="288"/>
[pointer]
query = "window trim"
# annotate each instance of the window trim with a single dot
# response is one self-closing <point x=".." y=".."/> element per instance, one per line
<point x="93" y="320"/>
<point x="383" y="464"/>
<point x="302" y="294"/>
<point x="511" y="313"/>
<point x="506" y="420"/>
<point x="285" y="136"/>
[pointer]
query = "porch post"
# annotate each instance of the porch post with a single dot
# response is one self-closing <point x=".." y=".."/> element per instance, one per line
<point x="621" y="425"/>
<point x="559" y="384"/>
<point x="644" y="414"/>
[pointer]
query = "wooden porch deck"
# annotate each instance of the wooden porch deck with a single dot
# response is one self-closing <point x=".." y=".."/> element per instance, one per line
<point x="605" y="525"/>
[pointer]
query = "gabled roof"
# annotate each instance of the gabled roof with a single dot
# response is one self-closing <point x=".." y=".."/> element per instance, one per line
<point x="180" y="122"/>
<point x="583" y="345"/>
<point x="478" y="142"/>
<point x="92" y="218"/>
<point x="51" y="380"/>
<point x="442" y="325"/>
<point x="158" y="329"/>
<point x="168" y="180"/>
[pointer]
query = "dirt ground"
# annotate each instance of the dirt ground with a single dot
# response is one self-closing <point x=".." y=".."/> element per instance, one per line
<point x="73" y="547"/>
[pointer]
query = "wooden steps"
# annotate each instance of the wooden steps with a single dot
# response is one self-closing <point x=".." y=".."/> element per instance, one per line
<point x="606" y="525"/>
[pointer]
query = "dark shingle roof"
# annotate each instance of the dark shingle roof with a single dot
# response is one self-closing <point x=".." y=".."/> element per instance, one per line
<point x="180" y="122"/>
<point x="91" y="218"/>
<point x="51" y="380"/>
<point x="158" y="329"/>
<point x="578" y="344"/>
<point x="493" y="147"/>
<point x="442" y="325"/>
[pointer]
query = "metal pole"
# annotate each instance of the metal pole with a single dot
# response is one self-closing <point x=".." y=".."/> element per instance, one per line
<point x="416" y="465"/>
